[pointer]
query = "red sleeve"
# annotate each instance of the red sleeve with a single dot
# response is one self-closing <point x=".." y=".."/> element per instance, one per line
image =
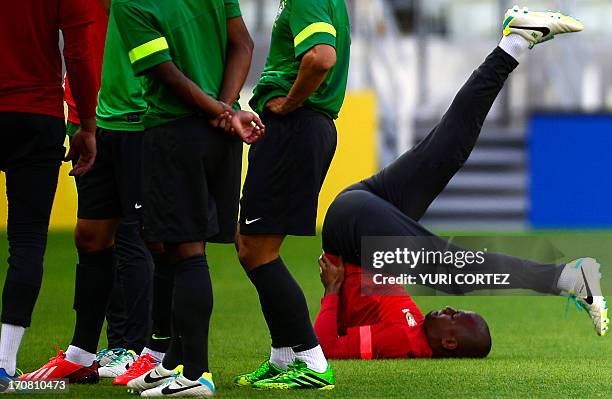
<point x="326" y="328"/>
<point x="76" y="20"/>
<point x="386" y="340"/>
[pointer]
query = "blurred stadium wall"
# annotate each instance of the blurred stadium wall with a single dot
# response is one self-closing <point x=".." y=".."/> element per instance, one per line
<point x="409" y="58"/>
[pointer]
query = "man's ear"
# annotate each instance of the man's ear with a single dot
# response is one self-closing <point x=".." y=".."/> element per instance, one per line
<point x="449" y="343"/>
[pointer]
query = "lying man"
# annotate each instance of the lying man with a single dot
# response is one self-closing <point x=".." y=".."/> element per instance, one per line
<point x="390" y="204"/>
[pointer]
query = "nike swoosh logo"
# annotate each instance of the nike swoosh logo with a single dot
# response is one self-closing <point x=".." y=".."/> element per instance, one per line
<point x="252" y="221"/>
<point x="589" y="297"/>
<point x="542" y="29"/>
<point x="158" y="338"/>
<point x="169" y="391"/>
<point x="152" y="380"/>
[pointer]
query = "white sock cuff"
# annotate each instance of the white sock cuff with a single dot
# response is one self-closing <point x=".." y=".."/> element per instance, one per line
<point x="282" y="357"/>
<point x="158" y="356"/>
<point x="314" y="359"/>
<point x="80" y="356"/>
<point x="515" y="45"/>
<point x="567" y="279"/>
<point x="10" y="340"/>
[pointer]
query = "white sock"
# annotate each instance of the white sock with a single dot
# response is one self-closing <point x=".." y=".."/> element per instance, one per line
<point x="568" y="277"/>
<point x="314" y="358"/>
<point x="282" y="357"/>
<point x="9" y="346"/>
<point x="515" y="45"/>
<point x="158" y="356"/>
<point x="80" y="356"/>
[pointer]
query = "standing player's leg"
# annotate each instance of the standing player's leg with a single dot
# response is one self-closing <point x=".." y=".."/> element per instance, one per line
<point x="415" y="180"/>
<point x="31" y="162"/>
<point x="197" y="169"/>
<point x="286" y="173"/>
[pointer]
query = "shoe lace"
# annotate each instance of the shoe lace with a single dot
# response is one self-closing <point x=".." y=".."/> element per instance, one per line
<point x="102" y="353"/>
<point x="143" y="362"/>
<point x="572" y="299"/>
<point x="294" y="369"/>
<point x="261" y="370"/>
<point x="119" y="356"/>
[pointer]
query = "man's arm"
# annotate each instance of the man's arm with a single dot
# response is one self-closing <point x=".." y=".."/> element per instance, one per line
<point x="75" y="22"/>
<point x="315" y="66"/>
<point x="189" y="92"/>
<point x="239" y="56"/>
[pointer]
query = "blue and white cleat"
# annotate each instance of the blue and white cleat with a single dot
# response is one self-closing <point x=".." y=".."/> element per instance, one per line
<point x="120" y="363"/>
<point x="587" y="293"/>
<point x="181" y="386"/>
<point x="6" y="379"/>
<point x="538" y="27"/>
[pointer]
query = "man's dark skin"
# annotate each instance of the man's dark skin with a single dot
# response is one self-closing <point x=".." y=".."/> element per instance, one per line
<point x="258" y="250"/>
<point x="96" y="235"/>
<point x="450" y="332"/>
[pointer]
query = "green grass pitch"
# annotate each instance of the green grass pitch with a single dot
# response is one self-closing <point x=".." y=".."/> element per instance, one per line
<point x="536" y="351"/>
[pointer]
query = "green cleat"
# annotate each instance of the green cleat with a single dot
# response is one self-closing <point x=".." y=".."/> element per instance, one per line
<point x="264" y="371"/>
<point x="299" y="376"/>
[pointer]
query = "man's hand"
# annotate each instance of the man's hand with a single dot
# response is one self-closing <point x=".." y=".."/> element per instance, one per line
<point x="281" y="106"/>
<point x="247" y="126"/>
<point x="83" y="143"/>
<point x="332" y="276"/>
<point x="223" y="120"/>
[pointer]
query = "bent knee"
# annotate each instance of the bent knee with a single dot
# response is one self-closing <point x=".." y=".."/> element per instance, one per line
<point x="253" y="253"/>
<point x="91" y="240"/>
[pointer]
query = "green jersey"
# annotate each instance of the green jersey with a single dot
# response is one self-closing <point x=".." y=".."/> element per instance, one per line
<point x="300" y="25"/>
<point x="120" y="102"/>
<point x="190" y="33"/>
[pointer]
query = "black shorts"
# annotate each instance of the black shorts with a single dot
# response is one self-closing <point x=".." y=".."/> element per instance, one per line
<point x="286" y="172"/>
<point x="111" y="189"/>
<point x="191" y="183"/>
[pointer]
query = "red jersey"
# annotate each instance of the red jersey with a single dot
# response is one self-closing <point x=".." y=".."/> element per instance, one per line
<point x="352" y="326"/>
<point x="98" y="30"/>
<point x="31" y="67"/>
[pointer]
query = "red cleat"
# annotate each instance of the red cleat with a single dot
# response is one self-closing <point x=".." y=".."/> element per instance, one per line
<point x="58" y="368"/>
<point x="142" y="365"/>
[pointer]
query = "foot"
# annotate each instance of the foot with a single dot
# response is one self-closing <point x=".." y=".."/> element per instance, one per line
<point x="587" y="293"/>
<point x="5" y="381"/>
<point x="181" y="386"/>
<point x="152" y="379"/>
<point x="58" y="367"/>
<point x="264" y="371"/>
<point x="120" y="364"/>
<point x="105" y="356"/>
<point x="538" y="27"/>
<point x="142" y="365"/>
<point x="299" y="376"/>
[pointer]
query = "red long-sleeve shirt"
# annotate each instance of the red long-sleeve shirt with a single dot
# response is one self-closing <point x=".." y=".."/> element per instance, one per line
<point x="352" y="326"/>
<point x="98" y="39"/>
<point x="31" y="68"/>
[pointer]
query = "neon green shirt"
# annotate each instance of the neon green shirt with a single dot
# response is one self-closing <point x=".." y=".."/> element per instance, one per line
<point x="191" y="33"/>
<point x="120" y="103"/>
<point x="301" y="25"/>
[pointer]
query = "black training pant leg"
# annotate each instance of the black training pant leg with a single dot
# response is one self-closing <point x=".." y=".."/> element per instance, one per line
<point x="416" y="179"/>
<point x="31" y="158"/>
<point x="360" y="213"/>
<point x="134" y="283"/>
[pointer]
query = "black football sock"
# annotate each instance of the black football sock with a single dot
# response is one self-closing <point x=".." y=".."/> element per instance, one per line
<point x="284" y="307"/>
<point x="191" y="310"/>
<point x="94" y="283"/>
<point x="163" y="285"/>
